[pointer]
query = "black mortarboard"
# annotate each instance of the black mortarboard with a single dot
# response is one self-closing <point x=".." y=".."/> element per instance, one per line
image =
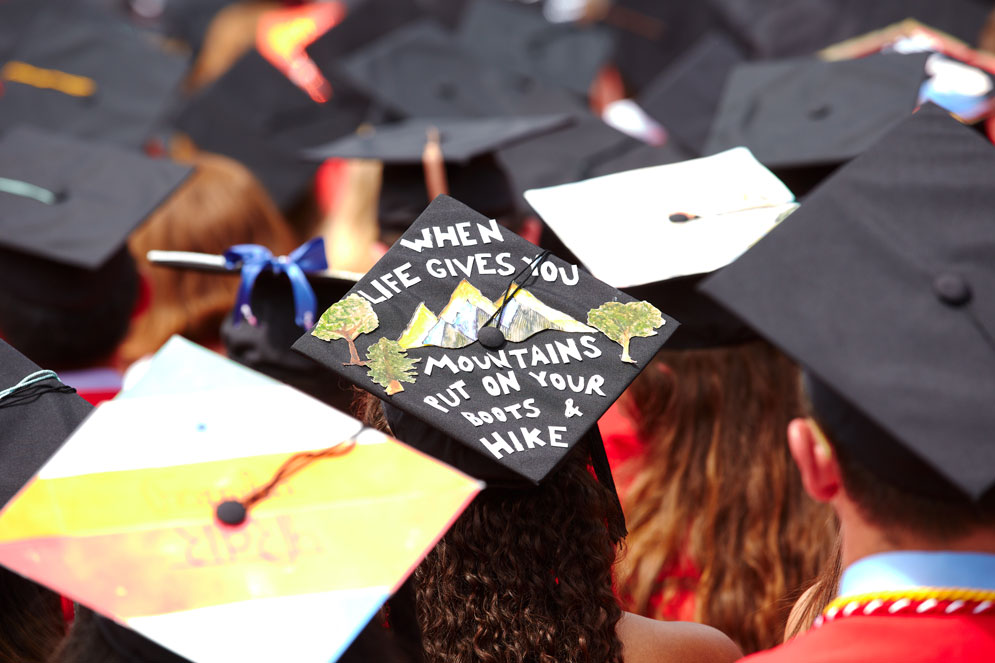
<point x="806" y="112"/>
<point x="639" y="155"/>
<point x="882" y="286"/>
<point x="685" y="96"/>
<point x="260" y="337"/>
<point x="256" y="115"/>
<point x="189" y="20"/>
<point x="671" y="225"/>
<point x="66" y="208"/>
<point x="460" y="139"/>
<point x="567" y="155"/>
<point x="428" y="329"/>
<point x="786" y="28"/>
<point x="364" y="23"/>
<point x="90" y="76"/>
<point x="421" y="70"/>
<point x="35" y="418"/>
<point x="514" y="37"/>
<point x="651" y="34"/>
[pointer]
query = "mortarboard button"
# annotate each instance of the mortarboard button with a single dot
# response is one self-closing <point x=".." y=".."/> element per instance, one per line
<point x="491" y="338"/>
<point x="820" y="112"/>
<point x="952" y="289"/>
<point x="681" y="217"/>
<point x="231" y="512"/>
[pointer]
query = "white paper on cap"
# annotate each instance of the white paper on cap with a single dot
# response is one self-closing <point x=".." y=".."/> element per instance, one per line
<point x="195" y="406"/>
<point x="619" y="225"/>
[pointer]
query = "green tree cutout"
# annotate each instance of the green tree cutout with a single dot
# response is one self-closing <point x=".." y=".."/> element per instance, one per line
<point x="624" y="322"/>
<point x="347" y="318"/>
<point x="389" y="365"/>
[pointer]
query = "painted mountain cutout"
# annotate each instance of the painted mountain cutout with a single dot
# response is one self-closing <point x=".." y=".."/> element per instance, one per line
<point x="468" y="309"/>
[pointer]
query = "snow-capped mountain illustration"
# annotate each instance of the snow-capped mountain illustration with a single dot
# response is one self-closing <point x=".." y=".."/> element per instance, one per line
<point x="467" y="311"/>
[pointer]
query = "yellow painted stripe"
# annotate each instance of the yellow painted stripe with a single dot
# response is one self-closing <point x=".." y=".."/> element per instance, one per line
<point x="186" y="495"/>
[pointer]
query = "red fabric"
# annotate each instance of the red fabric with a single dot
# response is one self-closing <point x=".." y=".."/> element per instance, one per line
<point x="68" y="610"/>
<point x="912" y="639"/>
<point x="96" y="396"/>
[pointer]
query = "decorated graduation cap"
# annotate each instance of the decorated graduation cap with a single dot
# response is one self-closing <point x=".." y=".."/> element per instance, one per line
<point x="676" y="223"/>
<point x="515" y="37"/>
<point x="88" y="75"/>
<point x="67" y="207"/>
<point x="880" y="285"/>
<point x="272" y="307"/>
<point x="470" y="331"/>
<point x="248" y="509"/>
<point x="799" y="27"/>
<point x="37" y="414"/>
<point x="806" y="112"/>
<point x="256" y="115"/>
<point x="960" y="78"/>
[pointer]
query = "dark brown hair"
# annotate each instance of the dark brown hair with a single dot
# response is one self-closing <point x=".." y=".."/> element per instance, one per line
<point x="31" y="623"/>
<point x="717" y="488"/>
<point x="220" y="205"/>
<point x="522" y="575"/>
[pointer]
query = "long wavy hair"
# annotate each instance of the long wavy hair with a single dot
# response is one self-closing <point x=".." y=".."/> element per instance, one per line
<point x="717" y="491"/>
<point x="522" y="575"/>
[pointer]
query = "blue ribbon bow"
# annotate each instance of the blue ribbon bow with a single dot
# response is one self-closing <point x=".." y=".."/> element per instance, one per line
<point x="253" y="259"/>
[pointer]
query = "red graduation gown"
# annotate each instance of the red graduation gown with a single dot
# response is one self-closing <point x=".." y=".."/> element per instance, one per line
<point x="906" y="638"/>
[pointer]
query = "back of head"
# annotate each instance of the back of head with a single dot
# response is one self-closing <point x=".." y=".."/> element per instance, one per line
<point x="717" y="492"/>
<point x="893" y="488"/>
<point x="31" y="624"/>
<point x="66" y="317"/>
<point x="95" y="638"/>
<point x="523" y="574"/>
<point x="222" y="204"/>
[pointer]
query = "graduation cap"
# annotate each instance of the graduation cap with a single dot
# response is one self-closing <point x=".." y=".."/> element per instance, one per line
<point x="363" y="23"/>
<point x="66" y="208"/>
<point x="670" y="225"/>
<point x="685" y="96"/>
<point x="806" y="112"/>
<point x="90" y="76"/>
<point x="880" y="286"/>
<point x="256" y="115"/>
<point x="468" y="147"/>
<point x="189" y="20"/>
<point x="492" y="349"/>
<point x="960" y="78"/>
<point x="514" y="37"/>
<point x="789" y="28"/>
<point x="332" y="516"/>
<point x="263" y="325"/>
<point x="37" y="414"/>
<point x="650" y="35"/>
<point x="421" y="70"/>
<point x="460" y="139"/>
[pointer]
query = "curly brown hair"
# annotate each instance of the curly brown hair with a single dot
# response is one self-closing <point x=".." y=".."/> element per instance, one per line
<point x="522" y="575"/>
<point x="717" y="488"/>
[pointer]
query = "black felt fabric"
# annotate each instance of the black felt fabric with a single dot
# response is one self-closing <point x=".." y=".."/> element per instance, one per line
<point x="460" y="139"/>
<point x="256" y="115"/>
<point x="421" y="70"/>
<point x="365" y="22"/>
<point x="808" y="112"/>
<point x="883" y="286"/>
<point x="639" y="155"/>
<point x="103" y="192"/>
<point x="650" y="35"/>
<point x="265" y="346"/>
<point x="134" y="74"/>
<point x="463" y="306"/>
<point x="685" y="97"/>
<point x="33" y="423"/>
<point x="514" y="37"/>
<point x="482" y="183"/>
